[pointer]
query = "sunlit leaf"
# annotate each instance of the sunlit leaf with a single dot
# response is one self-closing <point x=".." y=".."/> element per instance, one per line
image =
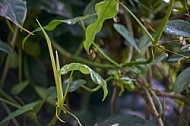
<point x="20" y="111"/>
<point x="125" y="120"/>
<point x="182" y="81"/>
<point x="54" y="23"/>
<point x="178" y="27"/>
<point x="105" y="10"/>
<point x="5" y="47"/>
<point x="126" y="34"/>
<point x="86" y="70"/>
<point x="17" y="88"/>
<point x="14" y="10"/>
<point x="90" y="9"/>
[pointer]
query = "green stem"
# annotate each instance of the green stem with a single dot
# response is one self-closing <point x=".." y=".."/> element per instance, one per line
<point x="105" y="56"/>
<point x="6" y="68"/>
<point x="156" y="98"/>
<point x="92" y="90"/>
<point x="56" y="75"/>
<point x="59" y="84"/>
<point x="20" y="65"/>
<point x="10" y="103"/>
<point x="67" y="88"/>
<point x="138" y="21"/>
<point x="6" y="96"/>
<point x="163" y="24"/>
<point x="158" y="101"/>
<point x="9" y="25"/>
<point x="59" y="108"/>
<point x="54" y="119"/>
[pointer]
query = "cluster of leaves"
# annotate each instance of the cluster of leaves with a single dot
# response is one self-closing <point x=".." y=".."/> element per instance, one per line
<point x="96" y="38"/>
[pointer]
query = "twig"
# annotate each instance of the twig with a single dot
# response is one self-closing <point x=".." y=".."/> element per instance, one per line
<point x="153" y="108"/>
<point x="114" y="99"/>
<point x="170" y="95"/>
<point x="151" y="103"/>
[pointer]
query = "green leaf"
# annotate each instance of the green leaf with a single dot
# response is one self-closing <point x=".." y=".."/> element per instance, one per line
<point x="126" y="120"/>
<point x="178" y="27"/>
<point x="126" y="34"/>
<point x="14" y="10"/>
<point x="54" y="23"/>
<point x="21" y="110"/>
<point x="106" y="9"/>
<point x="74" y="85"/>
<point x="5" y="47"/>
<point x="51" y="92"/>
<point x="96" y="78"/>
<point x="182" y="81"/>
<point x="90" y="9"/>
<point x="17" y="88"/>
<point x="128" y="83"/>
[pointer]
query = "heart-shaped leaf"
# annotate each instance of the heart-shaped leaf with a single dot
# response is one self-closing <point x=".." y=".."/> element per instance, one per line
<point x="96" y="78"/>
<point x="14" y="10"/>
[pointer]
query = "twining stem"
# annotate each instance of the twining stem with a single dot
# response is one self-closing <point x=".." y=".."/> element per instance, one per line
<point x="92" y="90"/>
<point x="68" y="84"/>
<point x="138" y="21"/>
<point x="105" y="56"/>
<point x="10" y="103"/>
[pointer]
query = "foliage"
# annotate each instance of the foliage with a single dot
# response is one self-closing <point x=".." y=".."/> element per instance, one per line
<point x="124" y="47"/>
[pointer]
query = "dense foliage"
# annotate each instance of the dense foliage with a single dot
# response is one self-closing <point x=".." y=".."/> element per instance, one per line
<point x="99" y="62"/>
